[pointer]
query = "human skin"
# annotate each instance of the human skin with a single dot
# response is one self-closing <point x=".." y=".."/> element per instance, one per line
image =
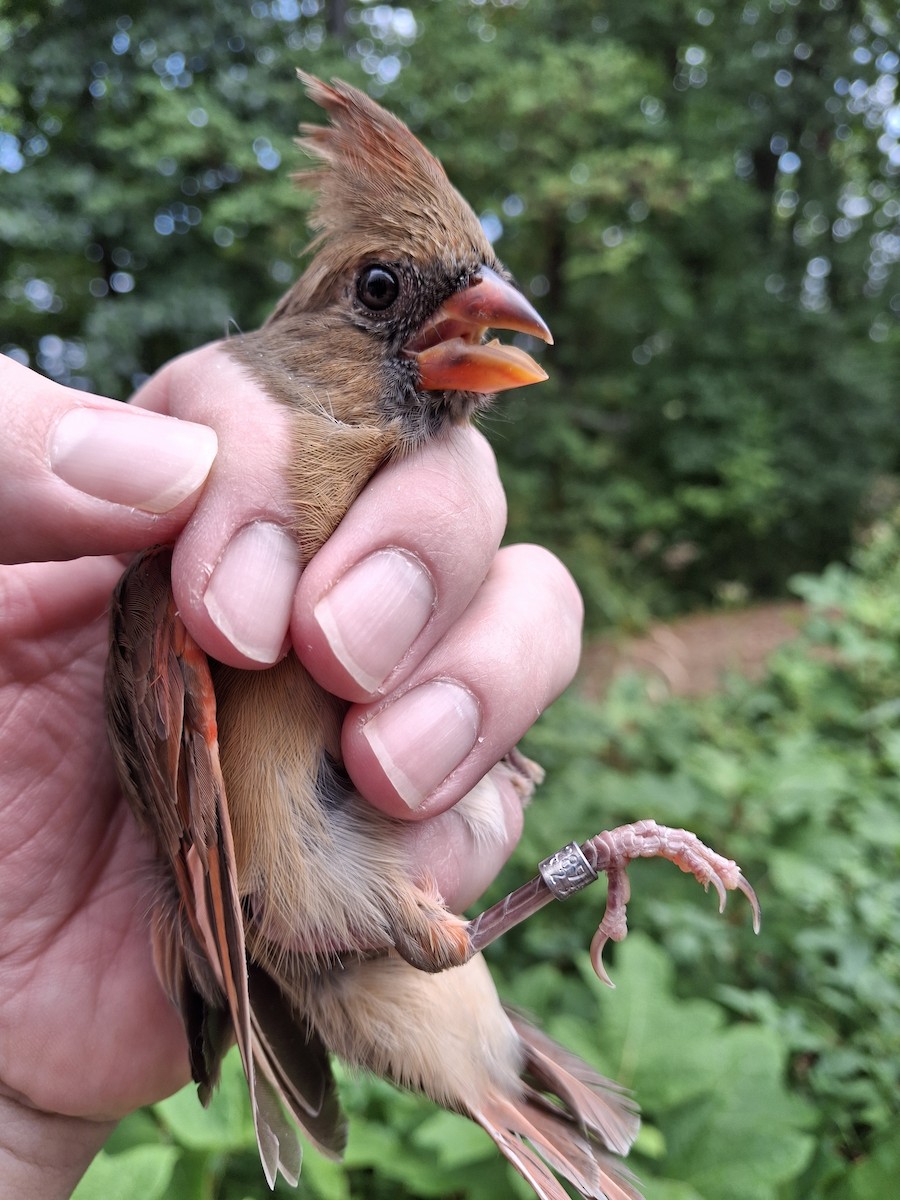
<point x="86" y="1034"/>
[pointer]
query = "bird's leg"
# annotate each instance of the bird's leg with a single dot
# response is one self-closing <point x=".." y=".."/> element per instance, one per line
<point x="574" y="867"/>
<point x="425" y="932"/>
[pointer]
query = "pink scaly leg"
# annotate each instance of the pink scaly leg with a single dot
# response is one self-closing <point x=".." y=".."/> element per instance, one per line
<point x="574" y="867"/>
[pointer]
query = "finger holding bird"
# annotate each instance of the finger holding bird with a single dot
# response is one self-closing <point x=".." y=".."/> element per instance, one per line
<point x="442" y="510"/>
<point x="510" y="621"/>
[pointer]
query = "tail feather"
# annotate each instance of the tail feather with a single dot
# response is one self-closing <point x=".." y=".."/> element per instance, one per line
<point x="566" y="1119"/>
<point x="562" y="1147"/>
<point x="529" y="1165"/>
<point x="578" y="1157"/>
<point x="554" y="1143"/>
<point x="296" y="1067"/>
<point x="276" y="1139"/>
<point x="595" y="1103"/>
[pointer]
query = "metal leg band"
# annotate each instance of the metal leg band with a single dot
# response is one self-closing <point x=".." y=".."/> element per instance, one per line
<point x="567" y="871"/>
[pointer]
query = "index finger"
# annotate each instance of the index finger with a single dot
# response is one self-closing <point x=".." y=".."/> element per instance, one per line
<point x="402" y="566"/>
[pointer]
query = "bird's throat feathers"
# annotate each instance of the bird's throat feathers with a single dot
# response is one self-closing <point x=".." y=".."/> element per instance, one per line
<point x="330" y="465"/>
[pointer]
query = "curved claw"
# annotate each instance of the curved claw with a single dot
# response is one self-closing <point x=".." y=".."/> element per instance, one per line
<point x="598" y="941"/>
<point x="743" y="886"/>
<point x="614" y="925"/>
<point x="614" y="850"/>
<point x="575" y="867"/>
<point x="720" y="891"/>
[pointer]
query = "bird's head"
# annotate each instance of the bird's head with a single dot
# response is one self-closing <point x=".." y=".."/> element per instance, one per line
<point x="402" y="275"/>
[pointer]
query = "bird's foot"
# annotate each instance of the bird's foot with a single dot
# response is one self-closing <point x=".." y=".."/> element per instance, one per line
<point x="574" y="867"/>
<point x="612" y="851"/>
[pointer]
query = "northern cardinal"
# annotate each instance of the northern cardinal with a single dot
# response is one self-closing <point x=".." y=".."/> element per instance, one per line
<point x="286" y="915"/>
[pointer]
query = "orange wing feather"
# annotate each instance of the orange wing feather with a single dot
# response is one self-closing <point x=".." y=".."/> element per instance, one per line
<point x="162" y="726"/>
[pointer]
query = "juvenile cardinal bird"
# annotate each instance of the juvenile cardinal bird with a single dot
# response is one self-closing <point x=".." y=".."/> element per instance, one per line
<point x="260" y="933"/>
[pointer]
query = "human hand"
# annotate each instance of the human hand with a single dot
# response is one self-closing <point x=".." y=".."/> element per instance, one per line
<point x="85" y="1032"/>
<point x="410" y="589"/>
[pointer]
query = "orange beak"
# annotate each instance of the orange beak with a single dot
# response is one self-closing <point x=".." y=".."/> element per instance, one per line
<point x="449" y="350"/>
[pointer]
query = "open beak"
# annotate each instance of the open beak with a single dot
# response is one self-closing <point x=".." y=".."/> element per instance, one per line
<point x="449" y="349"/>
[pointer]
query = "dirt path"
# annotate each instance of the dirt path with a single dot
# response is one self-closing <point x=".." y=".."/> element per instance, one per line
<point x="688" y="657"/>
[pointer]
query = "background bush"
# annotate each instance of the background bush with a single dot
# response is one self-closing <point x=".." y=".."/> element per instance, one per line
<point x="702" y="200"/>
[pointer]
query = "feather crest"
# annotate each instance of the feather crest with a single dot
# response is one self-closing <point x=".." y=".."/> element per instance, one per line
<point x="377" y="187"/>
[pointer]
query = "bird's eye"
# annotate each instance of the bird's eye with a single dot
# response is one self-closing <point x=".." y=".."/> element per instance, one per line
<point x="377" y="288"/>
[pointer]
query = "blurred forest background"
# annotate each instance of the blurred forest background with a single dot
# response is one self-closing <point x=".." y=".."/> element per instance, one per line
<point x="703" y="200"/>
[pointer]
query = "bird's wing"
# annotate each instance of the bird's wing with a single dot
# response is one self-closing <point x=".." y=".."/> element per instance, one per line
<point x="162" y="722"/>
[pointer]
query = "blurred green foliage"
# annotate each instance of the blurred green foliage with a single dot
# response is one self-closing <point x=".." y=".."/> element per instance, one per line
<point x="767" y="1068"/>
<point x="702" y="199"/>
<point x="798" y="777"/>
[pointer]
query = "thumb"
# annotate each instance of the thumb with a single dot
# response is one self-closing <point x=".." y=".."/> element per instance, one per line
<point x="83" y="475"/>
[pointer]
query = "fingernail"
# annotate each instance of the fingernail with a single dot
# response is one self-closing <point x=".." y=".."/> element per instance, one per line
<point x="251" y="590"/>
<point x="130" y="457"/>
<point x="430" y="731"/>
<point x="375" y="612"/>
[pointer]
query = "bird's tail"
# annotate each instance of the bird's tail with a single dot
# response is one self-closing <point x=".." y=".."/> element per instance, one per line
<point x="568" y="1118"/>
<point x="448" y="1035"/>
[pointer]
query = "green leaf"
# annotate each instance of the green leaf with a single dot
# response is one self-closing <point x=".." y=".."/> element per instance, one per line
<point x="225" y="1125"/>
<point x="748" y="1136"/>
<point x="664" y="1044"/>
<point x="323" y="1178"/>
<point x="877" y="1175"/>
<point x="716" y="1092"/>
<point x="669" y="1189"/>
<point x="144" y="1171"/>
<point x="454" y="1140"/>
